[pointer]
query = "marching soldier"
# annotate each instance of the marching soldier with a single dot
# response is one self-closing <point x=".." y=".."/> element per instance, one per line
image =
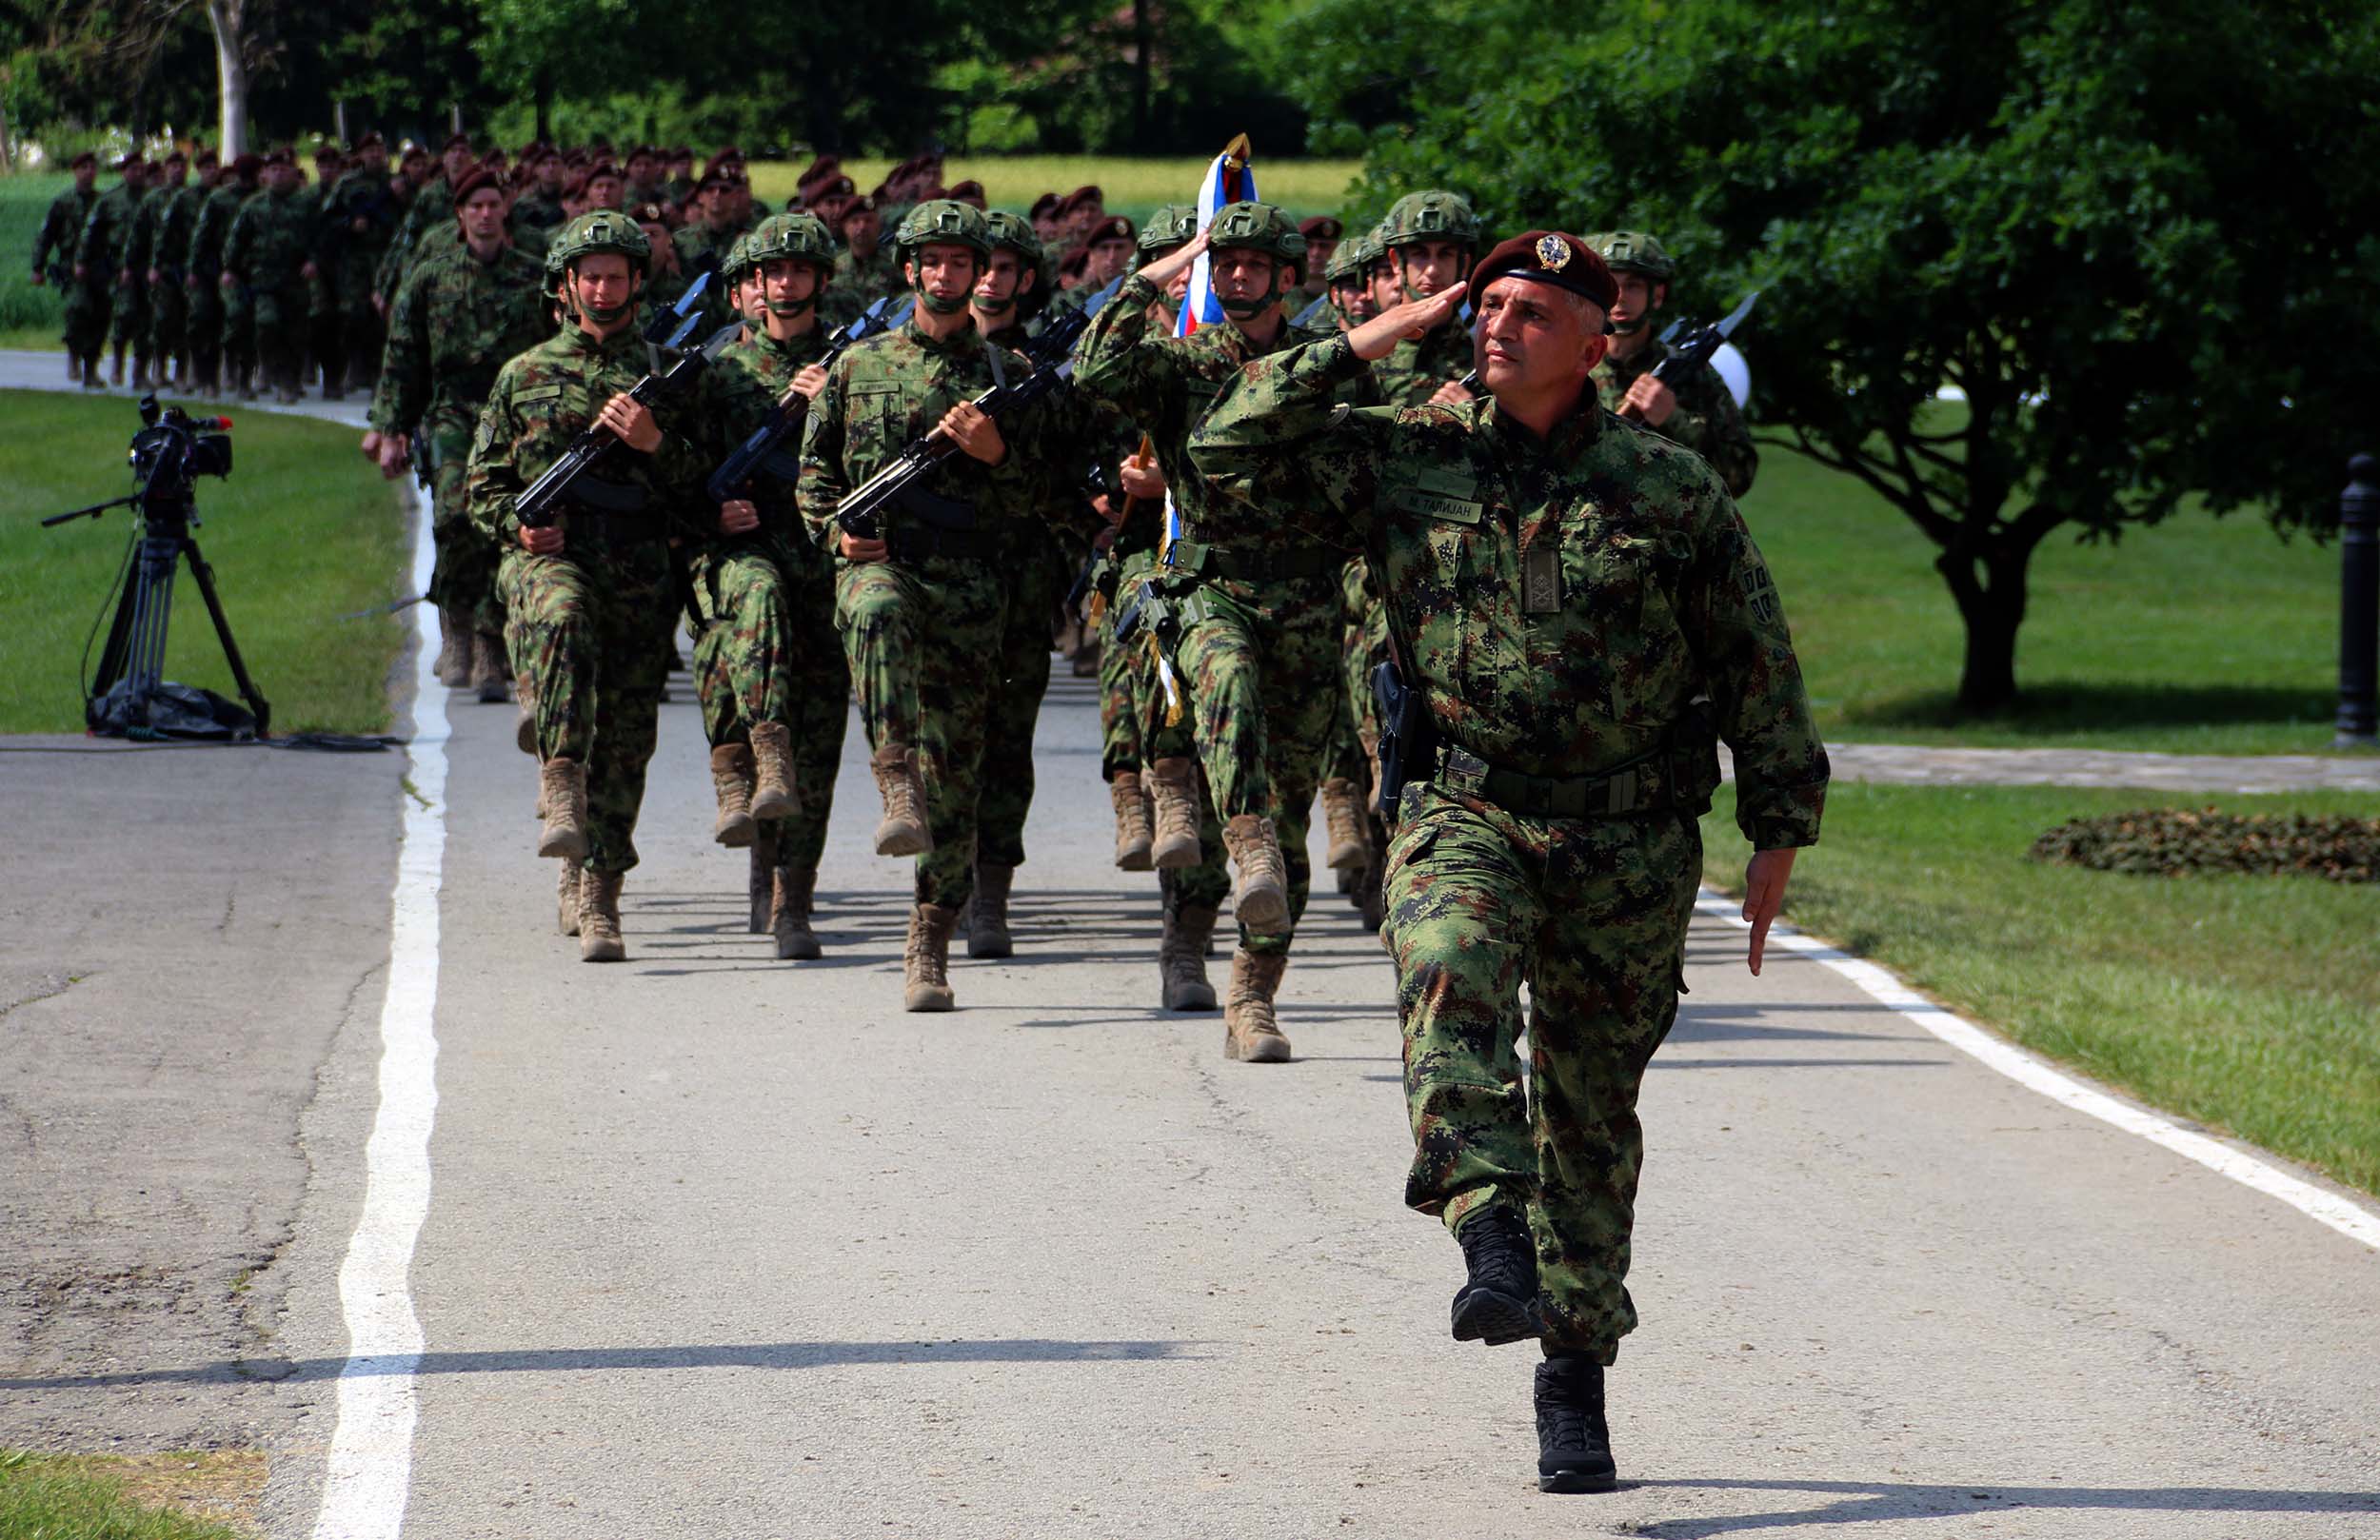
<point x="768" y="666"/>
<point x="1348" y="281"/>
<point x="1695" y="408"/>
<point x="267" y="257"/>
<point x="100" y="275"/>
<point x="360" y="218"/>
<point x="1429" y="239"/>
<point x="539" y="207"/>
<point x="1258" y="625"/>
<point x="141" y="261"/>
<point x="218" y="325"/>
<point x="1582" y="613"/>
<point x="1322" y="234"/>
<point x="169" y="265"/>
<point x="866" y="270"/>
<point x="53" y="247"/>
<point x="589" y="596"/>
<point x="921" y="608"/>
<point x="456" y="321"/>
<point x="432" y="208"/>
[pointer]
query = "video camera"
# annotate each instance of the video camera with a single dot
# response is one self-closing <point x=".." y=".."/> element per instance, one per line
<point x="173" y="448"/>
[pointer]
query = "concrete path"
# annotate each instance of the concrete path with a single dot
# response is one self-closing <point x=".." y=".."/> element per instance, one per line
<point x="24" y="369"/>
<point x="2211" y="774"/>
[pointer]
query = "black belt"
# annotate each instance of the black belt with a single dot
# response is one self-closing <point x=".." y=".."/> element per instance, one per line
<point x="614" y="531"/>
<point x="1272" y="566"/>
<point x="1660" y="781"/>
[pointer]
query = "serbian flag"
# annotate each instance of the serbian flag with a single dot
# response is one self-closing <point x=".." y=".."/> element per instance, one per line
<point x="1230" y="180"/>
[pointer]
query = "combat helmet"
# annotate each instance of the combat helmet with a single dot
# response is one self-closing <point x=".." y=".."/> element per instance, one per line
<point x="1258" y="227"/>
<point x="944" y="222"/>
<point x="1435" y="215"/>
<point x="602" y="229"/>
<point x="1014" y="232"/>
<point x="796" y="236"/>
<point x="1633" y="252"/>
<point x="1169" y="229"/>
<point x="1353" y="256"/>
<point x="737" y="265"/>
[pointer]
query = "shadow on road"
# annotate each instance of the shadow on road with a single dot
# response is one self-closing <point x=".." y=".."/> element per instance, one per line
<point x="578" y="1361"/>
<point x="1861" y="1502"/>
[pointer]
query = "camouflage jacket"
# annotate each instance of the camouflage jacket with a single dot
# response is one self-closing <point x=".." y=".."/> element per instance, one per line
<point x="455" y="322"/>
<point x="859" y="281"/>
<point x="61" y="228"/>
<point x="1412" y="373"/>
<point x="747" y="381"/>
<point x="176" y="224"/>
<point x="106" y="234"/>
<point x="1707" y="420"/>
<point x="892" y="390"/>
<point x="432" y="205"/>
<point x="215" y="223"/>
<point x="140" y="251"/>
<point x="545" y="398"/>
<point x="1168" y="384"/>
<point x="359" y="195"/>
<point x="1561" y="603"/>
<point x="270" y="240"/>
<point x="533" y="210"/>
<point x="695" y="242"/>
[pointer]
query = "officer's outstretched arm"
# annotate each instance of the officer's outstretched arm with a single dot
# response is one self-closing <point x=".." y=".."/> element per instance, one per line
<point x="1281" y="445"/>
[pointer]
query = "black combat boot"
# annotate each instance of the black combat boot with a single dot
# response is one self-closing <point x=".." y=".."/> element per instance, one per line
<point x="1498" y="1303"/>
<point x="1574" y="1440"/>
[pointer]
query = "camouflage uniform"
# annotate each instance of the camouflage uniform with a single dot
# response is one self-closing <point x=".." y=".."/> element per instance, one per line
<point x="589" y="626"/>
<point x="1260" y="621"/>
<point x="1560" y="604"/>
<point x="53" y="247"/>
<point x="360" y="197"/>
<point x="169" y="335"/>
<point x="1706" y="419"/>
<point x="920" y="627"/>
<point x="1413" y="370"/>
<point x="269" y="243"/>
<point x="154" y="308"/>
<point x="455" y="322"/>
<point x="859" y="281"/>
<point x="219" y="334"/>
<point x="767" y="650"/>
<point x="99" y="252"/>
<point x="432" y="207"/>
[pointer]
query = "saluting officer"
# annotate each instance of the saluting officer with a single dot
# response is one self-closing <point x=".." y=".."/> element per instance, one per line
<point x="1566" y="592"/>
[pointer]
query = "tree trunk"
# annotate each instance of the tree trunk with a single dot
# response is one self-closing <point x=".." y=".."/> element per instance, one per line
<point x="231" y="75"/>
<point x="544" y="100"/>
<point x="1992" y="602"/>
<point x="7" y="157"/>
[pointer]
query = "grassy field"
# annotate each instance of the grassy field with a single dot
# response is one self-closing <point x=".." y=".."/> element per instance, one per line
<point x="175" y="1496"/>
<point x="303" y="531"/>
<point x="1133" y="186"/>
<point x="2200" y="635"/>
<point x="28" y="315"/>
<point x="2244" y="1002"/>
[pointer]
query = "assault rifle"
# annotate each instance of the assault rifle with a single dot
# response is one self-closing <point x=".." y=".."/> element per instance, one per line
<point x="537" y="505"/>
<point x="1052" y="369"/>
<point x="737" y="468"/>
<point x="1691" y="345"/>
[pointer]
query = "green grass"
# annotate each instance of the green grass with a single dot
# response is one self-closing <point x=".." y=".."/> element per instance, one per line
<point x="1133" y="187"/>
<point x="30" y="316"/>
<point x="303" y="531"/>
<point x="142" y="1497"/>
<point x="2247" y="1003"/>
<point x="2199" y="636"/>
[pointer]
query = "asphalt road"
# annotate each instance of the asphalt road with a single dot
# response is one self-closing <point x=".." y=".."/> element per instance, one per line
<point x="720" y="1246"/>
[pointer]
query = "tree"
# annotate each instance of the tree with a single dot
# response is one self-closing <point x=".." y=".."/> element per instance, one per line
<point x="2137" y="237"/>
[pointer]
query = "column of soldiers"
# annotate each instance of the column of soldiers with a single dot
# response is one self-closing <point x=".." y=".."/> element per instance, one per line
<point x="1474" y="461"/>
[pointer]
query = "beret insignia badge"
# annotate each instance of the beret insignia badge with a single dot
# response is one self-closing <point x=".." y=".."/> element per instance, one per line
<point x="1553" y="254"/>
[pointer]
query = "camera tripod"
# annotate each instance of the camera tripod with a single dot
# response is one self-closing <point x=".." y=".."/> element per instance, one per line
<point x="130" y="697"/>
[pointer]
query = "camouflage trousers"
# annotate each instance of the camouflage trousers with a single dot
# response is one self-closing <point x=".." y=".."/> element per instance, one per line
<point x="168" y="317"/>
<point x="1591" y="914"/>
<point x="202" y="323"/>
<point x="464" y="576"/>
<point x="1133" y="708"/>
<point x="767" y="652"/>
<point x="588" y="633"/>
<point x="280" y="323"/>
<point x="239" y="328"/>
<point x="1260" y="664"/>
<point x="129" y="313"/>
<point x="920" y="640"/>
<point x="1034" y="584"/>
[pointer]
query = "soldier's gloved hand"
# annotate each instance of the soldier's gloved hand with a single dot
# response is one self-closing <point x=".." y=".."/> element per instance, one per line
<point x="545" y="541"/>
<point x="631" y="421"/>
<point x="738" y="516"/>
<point x="1141" y="479"/>
<point x="810" y="380"/>
<point x="977" y="435"/>
<point x="1651" y="401"/>
<point x="856" y="549"/>
<point x="1450" y="394"/>
<point x="1764" y="895"/>
<point x="1377" y="338"/>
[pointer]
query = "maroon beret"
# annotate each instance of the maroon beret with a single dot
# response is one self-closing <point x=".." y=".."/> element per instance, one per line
<point x="85" y="158"/>
<point x="1547" y="257"/>
<point x="1088" y="193"/>
<point x="454" y="138"/>
<point x="1321" y="227"/>
<point x="474" y="179"/>
<point x="860" y="206"/>
<point x="1047" y="204"/>
<point x="650" y="213"/>
<point x="1114" y="228"/>
<point x="1072" y="264"/>
<point x="969" y="188"/>
<point x="125" y="162"/>
<point x="246" y="164"/>
<point x="604" y="169"/>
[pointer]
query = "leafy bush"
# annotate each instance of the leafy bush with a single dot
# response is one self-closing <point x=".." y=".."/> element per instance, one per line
<point x="2167" y="841"/>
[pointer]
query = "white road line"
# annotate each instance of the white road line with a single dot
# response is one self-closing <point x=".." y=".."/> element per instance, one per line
<point x="2349" y="1219"/>
<point x="371" y="1446"/>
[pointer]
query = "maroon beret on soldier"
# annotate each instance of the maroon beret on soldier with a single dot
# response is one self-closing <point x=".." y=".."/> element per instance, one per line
<point x="966" y="189"/>
<point x="1088" y="193"/>
<point x="1114" y="228"/>
<point x="1552" y="258"/>
<point x="1321" y="227"/>
<point x="859" y="205"/>
<point x="126" y="162"/>
<point x="454" y="138"/>
<point x="246" y="164"/>
<point x="205" y="158"/>
<point x="1074" y="261"/>
<point x="1046" y="205"/>
<point x="651" y="213"/>
<point x="85" y="158"/>
<point x="474" y="179"/>
<point x="284" y="156"/>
